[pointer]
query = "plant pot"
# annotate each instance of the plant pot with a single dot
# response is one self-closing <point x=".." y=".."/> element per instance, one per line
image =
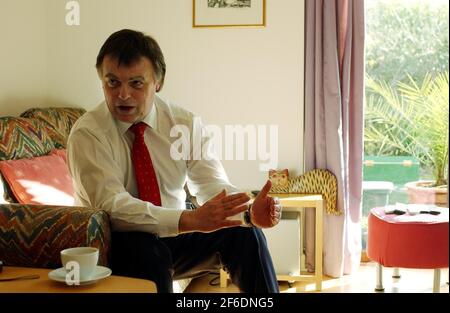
<point x="419" y="192"/>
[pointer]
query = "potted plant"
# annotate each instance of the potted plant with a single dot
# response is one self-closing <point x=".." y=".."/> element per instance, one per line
<point x="413" y="120"/>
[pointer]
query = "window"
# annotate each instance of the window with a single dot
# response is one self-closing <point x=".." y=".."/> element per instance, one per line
<point x="406" y="109"/>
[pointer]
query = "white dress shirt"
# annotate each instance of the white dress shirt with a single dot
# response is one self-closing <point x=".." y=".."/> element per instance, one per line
<point x="99" y="157"/>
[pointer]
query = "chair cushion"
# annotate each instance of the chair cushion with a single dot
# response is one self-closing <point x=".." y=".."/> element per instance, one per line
<point x="57" y="122"/>
<point x="22" y="138"/>
<point x="34" y="235"/>
<point x="39" y="180"/>
<point x="61" y="153"/>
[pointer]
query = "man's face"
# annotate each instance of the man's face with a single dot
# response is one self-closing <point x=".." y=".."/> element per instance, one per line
<point x="129" y="91"/>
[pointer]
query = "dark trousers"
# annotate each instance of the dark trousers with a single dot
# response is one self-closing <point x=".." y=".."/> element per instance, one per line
<point x="243" y="252"/>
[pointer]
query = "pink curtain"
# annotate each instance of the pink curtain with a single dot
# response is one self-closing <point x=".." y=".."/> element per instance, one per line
<point x="334" y="94"/>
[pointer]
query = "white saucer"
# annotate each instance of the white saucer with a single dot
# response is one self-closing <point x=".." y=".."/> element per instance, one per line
<point x="100" y="272"/>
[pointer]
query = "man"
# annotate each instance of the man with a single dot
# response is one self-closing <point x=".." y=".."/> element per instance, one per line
<point x="120" y="160"/>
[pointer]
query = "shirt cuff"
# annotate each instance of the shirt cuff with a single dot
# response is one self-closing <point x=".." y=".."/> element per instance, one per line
<point x="238" y="217"/>
<point x="169" y="220"/>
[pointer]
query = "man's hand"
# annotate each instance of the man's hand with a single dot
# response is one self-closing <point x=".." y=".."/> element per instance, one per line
<point x="265" y="211"/>
<point x="213" y="214"/>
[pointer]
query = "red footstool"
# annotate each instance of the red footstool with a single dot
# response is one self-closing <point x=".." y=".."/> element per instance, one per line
<point x="408" y="241"/>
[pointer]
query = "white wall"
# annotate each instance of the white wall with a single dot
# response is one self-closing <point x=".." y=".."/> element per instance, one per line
<point x="23" y="55"/>
<point x="226" y="75"/>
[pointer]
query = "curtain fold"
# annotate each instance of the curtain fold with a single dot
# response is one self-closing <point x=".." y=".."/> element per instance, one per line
<point x="334" y="95"/>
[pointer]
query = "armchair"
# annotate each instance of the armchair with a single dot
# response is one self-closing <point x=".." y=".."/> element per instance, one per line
<point x="32" y="235"/>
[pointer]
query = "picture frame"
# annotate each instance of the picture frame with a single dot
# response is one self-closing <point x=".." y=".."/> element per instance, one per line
<point x="228" y="13"/>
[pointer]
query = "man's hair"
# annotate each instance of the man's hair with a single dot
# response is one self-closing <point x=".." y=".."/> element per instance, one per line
<point x="128" y="46"/>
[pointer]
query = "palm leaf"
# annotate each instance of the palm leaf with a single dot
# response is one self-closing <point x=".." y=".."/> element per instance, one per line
<point x="411" y="119"/>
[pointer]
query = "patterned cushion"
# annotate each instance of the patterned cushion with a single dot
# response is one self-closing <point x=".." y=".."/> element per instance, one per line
<point x="34" y="235"/>
<point x="22" y="138"/>
<point x="57" y="121"/>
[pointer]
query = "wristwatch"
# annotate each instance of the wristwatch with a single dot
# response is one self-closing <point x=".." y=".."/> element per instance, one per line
<point x="247" y="218"/>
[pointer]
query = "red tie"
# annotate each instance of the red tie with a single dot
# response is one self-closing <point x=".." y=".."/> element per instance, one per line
<point x="143" y="168"/>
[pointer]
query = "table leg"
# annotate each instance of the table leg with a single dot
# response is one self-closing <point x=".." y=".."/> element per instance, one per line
<point x="396" y="273"/>
<point x="379" y="286"/>
<point x="437" y="280"/>
<point x="223" y="278"/>
<point x="319" y="244"/>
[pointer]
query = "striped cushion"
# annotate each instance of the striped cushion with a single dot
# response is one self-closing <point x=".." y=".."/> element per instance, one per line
<point x="57" y="122"/>
<point x="34" y="235"/>
<point x="22" y="138"/>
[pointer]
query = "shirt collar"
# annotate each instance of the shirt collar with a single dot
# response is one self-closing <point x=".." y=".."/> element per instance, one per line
<point x="149" y="119"/>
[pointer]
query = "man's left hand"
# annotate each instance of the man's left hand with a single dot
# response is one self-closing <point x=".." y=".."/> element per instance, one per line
<point x="265" y="211"/>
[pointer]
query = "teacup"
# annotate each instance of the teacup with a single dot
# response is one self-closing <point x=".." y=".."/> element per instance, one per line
<point x="84" y="259"/>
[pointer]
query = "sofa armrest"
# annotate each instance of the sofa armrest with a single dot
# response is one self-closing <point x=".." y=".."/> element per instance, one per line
<point x="34" y="235"/>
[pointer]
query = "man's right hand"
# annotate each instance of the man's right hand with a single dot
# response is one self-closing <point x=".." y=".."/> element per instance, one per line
<point x="213" y="215"/>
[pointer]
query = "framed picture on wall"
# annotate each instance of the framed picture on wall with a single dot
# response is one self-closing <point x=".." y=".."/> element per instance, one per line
<point x="228" y="13"/>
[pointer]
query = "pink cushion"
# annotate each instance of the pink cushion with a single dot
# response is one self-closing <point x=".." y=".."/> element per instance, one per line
<point x="39" y="180"/>
<point x="60" y="152"/>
